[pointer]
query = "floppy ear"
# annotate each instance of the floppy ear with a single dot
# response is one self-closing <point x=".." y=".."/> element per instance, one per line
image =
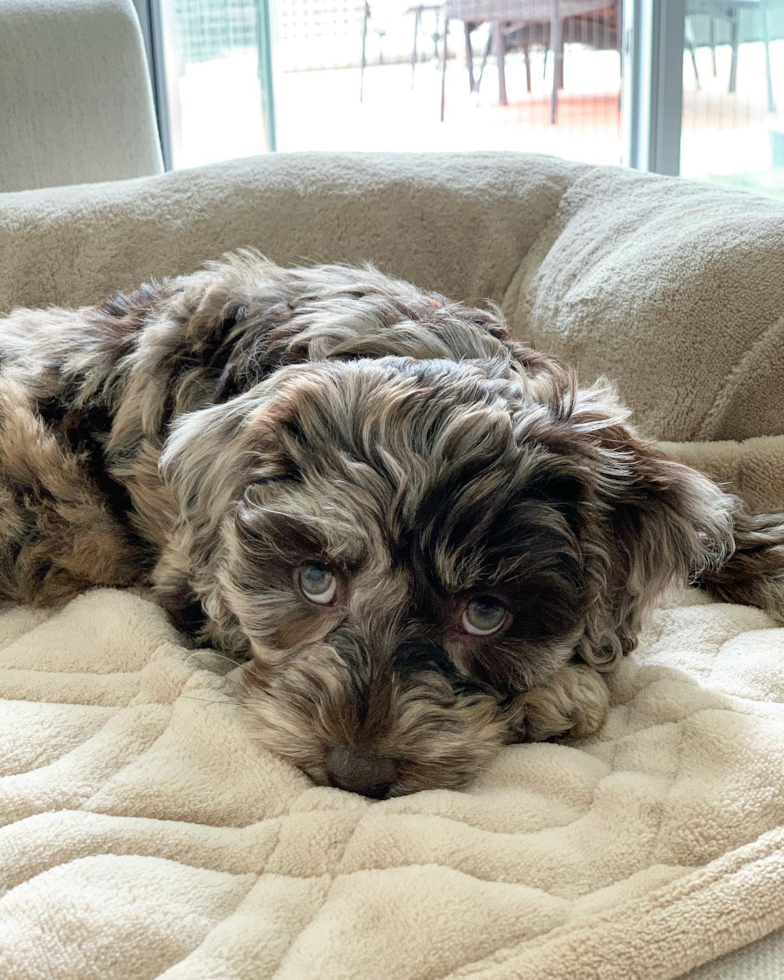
<point x="664" y="523"/>
<point x="201" y="458"/>
<point x="207" y="462"/>
<point x="211" y="455"/>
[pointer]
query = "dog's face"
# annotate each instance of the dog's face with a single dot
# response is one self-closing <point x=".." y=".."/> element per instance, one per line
<point x="409" y="547"/>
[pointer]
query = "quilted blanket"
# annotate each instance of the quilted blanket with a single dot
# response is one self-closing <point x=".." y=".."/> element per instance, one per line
<point x="144" y="834"/>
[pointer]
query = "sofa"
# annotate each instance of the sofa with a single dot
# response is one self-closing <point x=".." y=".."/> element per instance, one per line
<point x="143" y="833"/>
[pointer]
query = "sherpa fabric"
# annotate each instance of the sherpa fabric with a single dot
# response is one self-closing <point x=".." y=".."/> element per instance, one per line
<point x="753" y="468"/>
<point x="673" y="289"/>
<point x="144" y="834"/>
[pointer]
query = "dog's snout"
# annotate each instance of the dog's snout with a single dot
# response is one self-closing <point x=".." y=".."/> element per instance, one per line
<point x="360" y="769"/>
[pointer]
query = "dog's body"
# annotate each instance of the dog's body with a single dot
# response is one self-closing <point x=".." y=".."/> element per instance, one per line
<point x="427" y="538"/>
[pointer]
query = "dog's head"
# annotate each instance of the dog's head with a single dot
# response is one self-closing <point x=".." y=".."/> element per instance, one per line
<point x="410" y="546"/>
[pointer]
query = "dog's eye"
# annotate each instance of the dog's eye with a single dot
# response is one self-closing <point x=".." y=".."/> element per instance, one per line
<point x="318" y="584"/>
<point x="483" y="616"/>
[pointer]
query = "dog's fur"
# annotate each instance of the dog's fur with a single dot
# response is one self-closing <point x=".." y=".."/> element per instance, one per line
<point x="210" y="435"/>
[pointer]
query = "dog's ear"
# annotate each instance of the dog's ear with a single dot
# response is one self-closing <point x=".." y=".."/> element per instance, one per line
<point x="212" y="454"/>
<point x="663" y="523"/>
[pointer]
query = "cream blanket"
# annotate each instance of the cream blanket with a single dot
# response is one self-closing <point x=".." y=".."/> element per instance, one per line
<point x="145" y="835"/>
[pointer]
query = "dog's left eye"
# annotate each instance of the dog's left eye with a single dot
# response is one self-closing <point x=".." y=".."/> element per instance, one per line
<point x="317" y="584"/>
<point x="484" y="616"/>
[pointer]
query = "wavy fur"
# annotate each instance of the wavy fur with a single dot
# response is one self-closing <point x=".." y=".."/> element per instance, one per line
<point x="209" y="435"/>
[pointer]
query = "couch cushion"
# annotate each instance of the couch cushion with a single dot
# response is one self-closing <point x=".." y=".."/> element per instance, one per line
<point x="671" y="288"/>
<point x="76" y="100"/>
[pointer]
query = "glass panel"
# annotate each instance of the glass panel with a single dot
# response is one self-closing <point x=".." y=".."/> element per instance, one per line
<point x="496" y="91"/>
<point x="733" y="94"/>
<point x="216" y="96"/>
<point x="537" y="75"/>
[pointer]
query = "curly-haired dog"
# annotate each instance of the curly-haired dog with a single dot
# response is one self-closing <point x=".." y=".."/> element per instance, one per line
<point x="428" y="539"/>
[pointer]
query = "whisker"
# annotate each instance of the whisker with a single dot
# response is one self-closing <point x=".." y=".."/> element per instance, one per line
<point x="192" y="697"/>
<point x="225" y="677"/>
<point x="221" y="656"/>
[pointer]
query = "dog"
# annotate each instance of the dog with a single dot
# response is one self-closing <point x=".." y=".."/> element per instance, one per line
<point x="426" y="539"/>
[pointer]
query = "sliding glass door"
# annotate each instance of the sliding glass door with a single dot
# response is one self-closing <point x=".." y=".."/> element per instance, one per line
<point x="694" y="87"/>
<point x="218" y="78"/>
<point x="248" y="76"/>
<point x="705" y="90"/>
<point x="733" y="93"/>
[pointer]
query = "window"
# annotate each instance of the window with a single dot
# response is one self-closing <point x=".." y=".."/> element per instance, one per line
<point x="702" y="80"/>
<point x="733" y="94"/>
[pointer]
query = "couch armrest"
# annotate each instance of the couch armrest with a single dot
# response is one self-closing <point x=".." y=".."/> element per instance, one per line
<point x="457" y="223"/>
<point x="673" y="289"/>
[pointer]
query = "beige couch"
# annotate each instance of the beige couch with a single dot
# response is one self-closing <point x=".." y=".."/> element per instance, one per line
<point x="676" y="291"/>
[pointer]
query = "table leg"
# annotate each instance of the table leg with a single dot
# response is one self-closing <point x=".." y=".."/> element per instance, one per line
<point x="364" y="42"/>
<point x="557" y="46"/>
<point x="498" y="42"/>
<point x="766" y="40"/>
<point x="734" y="43"/>
<point x="443" y="66"/>
<point x="417" y="18"/>
<point x="469" y="56"/>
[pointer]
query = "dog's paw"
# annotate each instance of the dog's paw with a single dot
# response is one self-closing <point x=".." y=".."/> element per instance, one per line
<point x="573" y="705"/>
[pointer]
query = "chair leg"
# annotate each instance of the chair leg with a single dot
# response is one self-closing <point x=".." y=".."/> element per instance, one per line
<point x="713" y="45"/>
<point x="560" y="61"/>
<point x="443" y="66"/>
<point x="365" y="17"/>
<point x="498" y="44"/>
<point x="469" y="56"/>
<point x="734" y="43"/>
<point x="693" y="54"/>
<point x="417" y="19"/>
<point x="485" y="56"/>
<point x="555" y="40"/>
<point x="766" y="40"/>
<point x="527" y="55"/>
<point x="689" y="42"/>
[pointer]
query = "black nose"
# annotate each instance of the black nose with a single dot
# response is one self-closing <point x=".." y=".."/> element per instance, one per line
<point x="359" y="769"/>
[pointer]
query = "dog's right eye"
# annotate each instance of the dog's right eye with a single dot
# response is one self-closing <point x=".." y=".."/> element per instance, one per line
<point x="317" y="584"/>
<point x="484" y="616"/>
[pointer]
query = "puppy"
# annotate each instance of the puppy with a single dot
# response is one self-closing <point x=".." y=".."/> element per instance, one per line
<point x="426" y="537"/>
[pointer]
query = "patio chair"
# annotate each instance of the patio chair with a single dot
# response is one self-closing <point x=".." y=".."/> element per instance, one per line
<point x="553" y="22"/>
<point x="381" y="16"/>
<point x="730" y="11"/>
<point x="515" y="38"/>
<point x="418" y="11"/>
